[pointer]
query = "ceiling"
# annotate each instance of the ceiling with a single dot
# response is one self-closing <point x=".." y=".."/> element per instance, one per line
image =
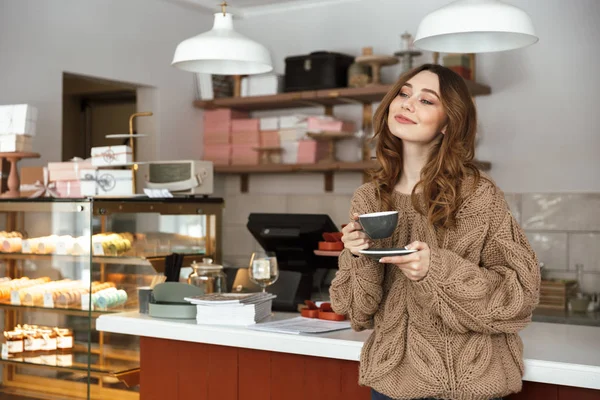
<point x="249" y="8"/>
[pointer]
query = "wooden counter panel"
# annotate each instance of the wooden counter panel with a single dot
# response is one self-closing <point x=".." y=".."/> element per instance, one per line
<point x="569" y="392"/>
<point x="287" y="376"/>
<point x="536" y="391"/>
<point x="177" y="370"/>
<point x="223" y="373"/>
<point x="254" y="371"/>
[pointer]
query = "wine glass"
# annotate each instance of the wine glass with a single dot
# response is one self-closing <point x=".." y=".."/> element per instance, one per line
<point x="263" y="269"/>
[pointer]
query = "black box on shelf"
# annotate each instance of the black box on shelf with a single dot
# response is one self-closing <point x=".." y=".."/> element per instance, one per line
<point x="317" y="70"/>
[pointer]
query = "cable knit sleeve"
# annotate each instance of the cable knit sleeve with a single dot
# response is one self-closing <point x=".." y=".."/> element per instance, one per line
<point x="496" y="295"/>
<point x="356" y="290"/>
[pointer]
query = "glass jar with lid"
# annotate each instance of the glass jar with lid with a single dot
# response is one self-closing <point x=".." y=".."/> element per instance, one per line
<point x="208" y="276"/>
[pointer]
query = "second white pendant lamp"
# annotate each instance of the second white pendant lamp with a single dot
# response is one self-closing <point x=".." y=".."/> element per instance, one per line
<point x="475" y="26"/>
<point x="222" y="51"/>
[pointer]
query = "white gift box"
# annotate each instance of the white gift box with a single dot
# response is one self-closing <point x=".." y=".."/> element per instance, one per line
<point x="18" y="119"/>
<point x="14" y="142"/>
<point x="293" y="121"/>
<point x="291" y="135"/>
<point x="111" y="156"/>
<point x="289" y="154"/>
<point x="106" y="182"/>
<point x="269" y="124"/>
<point x="262" y="85"/>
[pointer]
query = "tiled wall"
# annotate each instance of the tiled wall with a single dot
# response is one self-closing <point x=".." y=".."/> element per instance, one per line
<point x="564" y="229"/>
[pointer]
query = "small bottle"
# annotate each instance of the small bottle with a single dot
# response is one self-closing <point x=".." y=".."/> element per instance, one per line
<point x="579" y="269"/>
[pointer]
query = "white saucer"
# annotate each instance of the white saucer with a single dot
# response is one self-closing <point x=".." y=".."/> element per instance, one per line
<point x="378" y="253"/>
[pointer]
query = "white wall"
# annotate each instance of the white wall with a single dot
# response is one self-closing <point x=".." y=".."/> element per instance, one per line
<point x="130" y="41"/>
<point x="541" y="125"/>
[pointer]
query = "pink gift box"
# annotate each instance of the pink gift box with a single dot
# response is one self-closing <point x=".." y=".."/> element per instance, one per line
<point x="244" y="155"/>
<point x="245" y="125"/>
<point x="218" y="154"/>
<point x="219" y="127"/>
<point x="67" y="171"/>
<point x="328" y="124"/>
<point x="311" y="151"/>
<point x="211" y="138"/>
<point x="269" y="139"/>
<point x="68" y="189"/>
<point x="222" y="115"/>
<point x="246" y="138"/>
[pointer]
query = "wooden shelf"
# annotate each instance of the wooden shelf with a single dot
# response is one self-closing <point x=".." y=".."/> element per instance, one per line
<point x="326" y="168"/>
<point x="315" y="98"/>
<point x="97" y="365"/>
<point x="59" y="310"/>
<point x="120" y="260"/>
<point x="286" y="168"/>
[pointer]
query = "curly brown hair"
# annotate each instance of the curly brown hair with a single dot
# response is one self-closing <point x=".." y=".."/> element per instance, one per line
<point x="450" y="159"/>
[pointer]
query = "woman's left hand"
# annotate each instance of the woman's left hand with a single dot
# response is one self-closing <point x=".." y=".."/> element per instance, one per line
<point x="415" y="265"/>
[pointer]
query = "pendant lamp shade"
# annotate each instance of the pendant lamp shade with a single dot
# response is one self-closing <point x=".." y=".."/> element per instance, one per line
<point x="475" y="26"/>
<point x="222" y="51"/>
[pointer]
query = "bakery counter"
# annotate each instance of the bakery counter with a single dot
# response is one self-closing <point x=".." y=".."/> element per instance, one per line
<point x="558" y="357"/>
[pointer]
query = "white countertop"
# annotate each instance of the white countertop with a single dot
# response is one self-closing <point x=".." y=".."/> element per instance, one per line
<point x="554" y="353"/>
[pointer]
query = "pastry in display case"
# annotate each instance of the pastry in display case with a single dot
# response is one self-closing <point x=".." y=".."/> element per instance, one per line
<point x="64" y="262"/>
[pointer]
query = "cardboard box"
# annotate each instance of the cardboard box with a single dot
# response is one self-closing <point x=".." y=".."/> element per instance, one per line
<point x="245" y="125"/>
<point x="18" y="119"/>
<point x="291" y="135"/>
<point x="106" y="182"/>
<point x="35" y="182"/>
<point x="311" y="151"/>
<point x="269" y="139"/>
<point x="262" y="85"/>
<point x="68" y="170"/>
<point x="111" y="156"/>
<point x="222" y="115"/>
<point x="211" y="138"/>
<point x="293" y="121"/>
<point x="246" y="138"/>
<point x="69" y="189"/>
<point x="244" y="155"/>
<point x="14" y="142"/>
<point x="269" y="124"/>
<point x="218" y="154"/>
<point x="329" y="124"/>
<point x="290" y="153"/>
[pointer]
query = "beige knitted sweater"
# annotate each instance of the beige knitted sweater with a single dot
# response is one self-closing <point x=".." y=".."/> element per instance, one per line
<point x="452" y="335"/>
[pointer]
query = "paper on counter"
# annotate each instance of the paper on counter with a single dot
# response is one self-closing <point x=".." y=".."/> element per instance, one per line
<point x="301" y="325"/>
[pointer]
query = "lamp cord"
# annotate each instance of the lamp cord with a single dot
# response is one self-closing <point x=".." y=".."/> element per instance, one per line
<point x="223" y="6"/>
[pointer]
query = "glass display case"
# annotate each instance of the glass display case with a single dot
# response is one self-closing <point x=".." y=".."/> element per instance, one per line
<point x="64" y="262"/>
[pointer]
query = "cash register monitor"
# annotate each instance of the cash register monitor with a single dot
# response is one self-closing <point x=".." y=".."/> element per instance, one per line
<point x="293" y="238"/>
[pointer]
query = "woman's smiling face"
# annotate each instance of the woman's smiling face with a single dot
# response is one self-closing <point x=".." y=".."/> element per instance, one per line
<point x="417" y="113"/>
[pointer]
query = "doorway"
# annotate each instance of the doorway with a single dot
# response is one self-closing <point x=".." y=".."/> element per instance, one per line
<point x="93" y="108"/>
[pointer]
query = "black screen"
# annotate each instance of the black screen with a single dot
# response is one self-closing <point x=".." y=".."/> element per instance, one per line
<point x="293" y="238"/>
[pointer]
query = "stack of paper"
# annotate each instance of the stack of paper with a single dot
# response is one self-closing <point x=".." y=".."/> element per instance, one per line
<point x="232" y="308"/>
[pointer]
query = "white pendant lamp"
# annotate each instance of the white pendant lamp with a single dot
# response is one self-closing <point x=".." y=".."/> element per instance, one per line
<point x="222" y="51"/>
<point x="475" y="26"/>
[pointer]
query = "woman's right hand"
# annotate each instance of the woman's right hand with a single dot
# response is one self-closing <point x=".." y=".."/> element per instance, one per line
<point x="354" y="237"/>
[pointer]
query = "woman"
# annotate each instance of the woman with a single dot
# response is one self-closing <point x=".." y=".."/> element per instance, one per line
<point x="445" y="318"/>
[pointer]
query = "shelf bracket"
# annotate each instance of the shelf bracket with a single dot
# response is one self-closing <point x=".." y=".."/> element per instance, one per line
<point x="328" y="181"/>
<point x="244" y="183"/>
